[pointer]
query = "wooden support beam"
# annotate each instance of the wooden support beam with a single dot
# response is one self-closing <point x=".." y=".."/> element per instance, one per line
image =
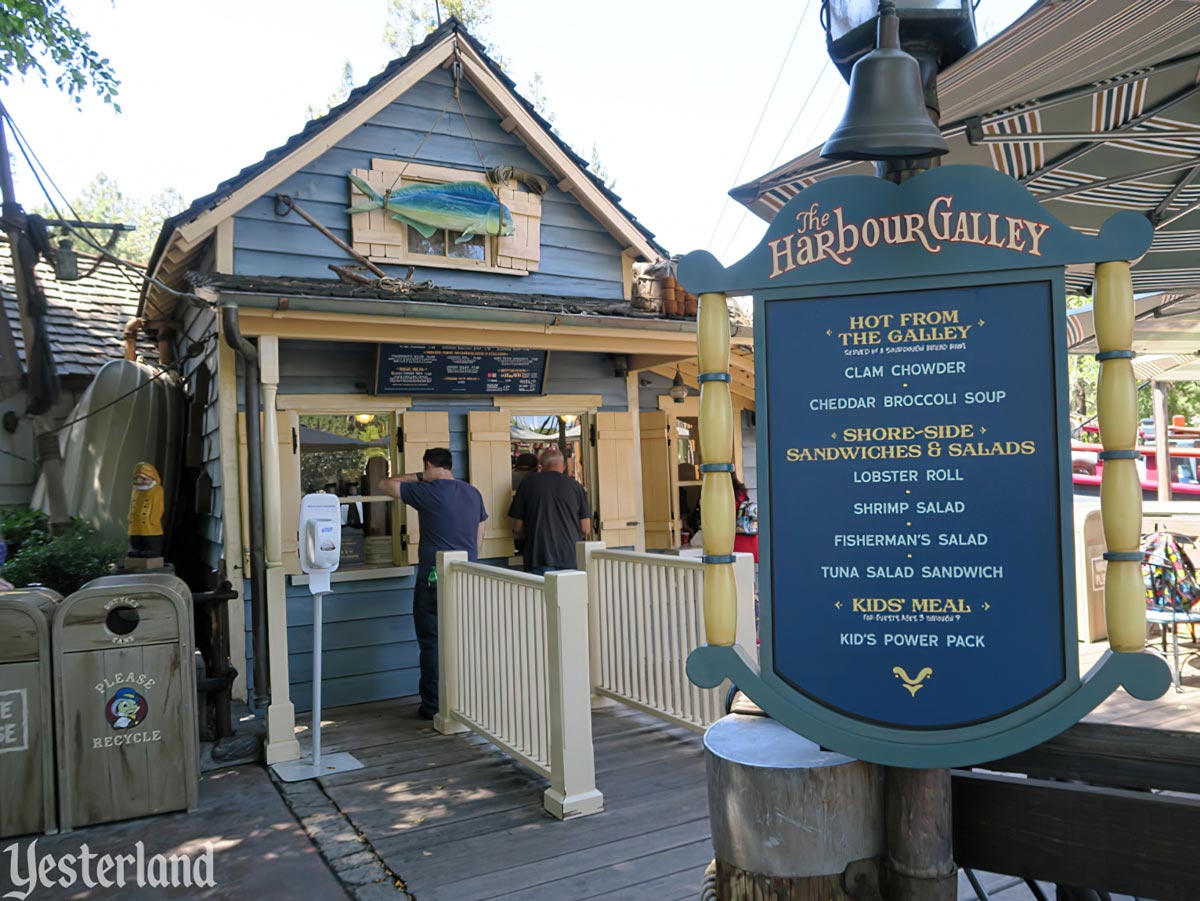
<point x="1120" y="756"/>
<point x="1078" y="835"/>
<point x="638" y="362"/>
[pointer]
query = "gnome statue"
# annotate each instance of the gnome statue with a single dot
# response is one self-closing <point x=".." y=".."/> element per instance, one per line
<point x="145" y="513"/>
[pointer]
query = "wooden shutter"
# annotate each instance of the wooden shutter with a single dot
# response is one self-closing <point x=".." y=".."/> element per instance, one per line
<point x="657" y="462"/>
<point x="288" y="423"/>
<point x="615" y="459"/>
<point x="490" y="456"/>
<point x="375" y="233"/>
<point x="418" y="432"/>
<point x="522" y="249"/>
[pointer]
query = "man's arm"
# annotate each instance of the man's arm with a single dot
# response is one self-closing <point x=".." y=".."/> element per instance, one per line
<point x="391" y="485"/>
<point x="585" y="513"/>
<point x="517" y="526"/>
<point x="479" y="538"/>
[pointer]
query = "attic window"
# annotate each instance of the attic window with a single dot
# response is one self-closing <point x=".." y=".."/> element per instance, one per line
<point x="446" y="244"/>
<point x="384" y="240"/>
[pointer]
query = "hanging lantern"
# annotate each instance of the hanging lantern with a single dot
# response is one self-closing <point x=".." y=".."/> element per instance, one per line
<point x="679" y="391"/>
<point x="66" y="262"/>
<point x="364" y="418"/>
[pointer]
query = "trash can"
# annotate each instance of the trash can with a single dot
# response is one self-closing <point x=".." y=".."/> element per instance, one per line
<point x="125" y="700"/>
<point x="26" y="721"/>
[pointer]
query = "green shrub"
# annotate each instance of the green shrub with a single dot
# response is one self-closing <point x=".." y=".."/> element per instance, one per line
<point x="22" y="527"/>
<point x="64" y="562"/>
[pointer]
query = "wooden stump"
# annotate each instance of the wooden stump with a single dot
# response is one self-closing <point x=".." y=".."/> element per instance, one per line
<point x="790" y="821"/>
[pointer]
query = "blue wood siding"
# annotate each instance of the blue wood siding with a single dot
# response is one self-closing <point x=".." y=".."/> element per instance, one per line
<point x="198" y="324"/>
<point x="578" y="257"/>
<point x="370" y="646"/>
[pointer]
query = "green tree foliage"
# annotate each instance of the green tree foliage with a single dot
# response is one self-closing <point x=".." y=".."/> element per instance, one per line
<point x="104" y="201"/>
<point x="338" y="96"/>
<point x="1183" y="398"/>
<point x="319" y="468"/>
<point x="36" y="32"/>
<point x="63" y="562"/>
<point x="410" y="21"/>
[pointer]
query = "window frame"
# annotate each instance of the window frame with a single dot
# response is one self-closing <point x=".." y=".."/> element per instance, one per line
<point x="382" y="239"/>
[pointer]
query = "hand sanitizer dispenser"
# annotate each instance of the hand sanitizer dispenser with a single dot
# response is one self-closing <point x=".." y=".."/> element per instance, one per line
<point x="320" y="553"/>
<point x="320" y="539"/>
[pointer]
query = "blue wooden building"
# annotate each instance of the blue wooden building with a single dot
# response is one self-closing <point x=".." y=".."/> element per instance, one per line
<point x="260" y="248"/>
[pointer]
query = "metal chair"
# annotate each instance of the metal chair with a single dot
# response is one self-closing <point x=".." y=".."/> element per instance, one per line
<point x="1171" y="619"/>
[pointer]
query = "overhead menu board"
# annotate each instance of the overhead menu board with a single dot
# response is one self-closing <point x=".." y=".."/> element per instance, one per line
<point x="915" y="493"/>
<point x="435" y="369"/>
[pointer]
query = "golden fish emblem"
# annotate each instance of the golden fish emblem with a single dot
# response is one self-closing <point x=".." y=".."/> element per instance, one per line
<point x="913" y="685"/>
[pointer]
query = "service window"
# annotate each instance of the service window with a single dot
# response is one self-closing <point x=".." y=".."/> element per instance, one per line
<point x="347" y="456"/>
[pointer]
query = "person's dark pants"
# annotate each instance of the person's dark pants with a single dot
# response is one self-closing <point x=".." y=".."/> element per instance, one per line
<point x="425" y="620"/>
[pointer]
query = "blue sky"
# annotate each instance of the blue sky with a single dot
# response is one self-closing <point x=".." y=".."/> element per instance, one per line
<point x="669" y="91"/>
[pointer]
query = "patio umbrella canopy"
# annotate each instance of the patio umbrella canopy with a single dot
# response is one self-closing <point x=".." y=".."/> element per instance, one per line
<point x="1093" y="105"/>
<point x="315" y="440"/>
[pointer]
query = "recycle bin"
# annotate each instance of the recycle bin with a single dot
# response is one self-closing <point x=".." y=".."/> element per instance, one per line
<point x="26" y="722"/>
<point x="128" y="738"/>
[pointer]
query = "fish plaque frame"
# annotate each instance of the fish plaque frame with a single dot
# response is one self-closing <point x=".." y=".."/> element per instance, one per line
<point x="917" y="596"/>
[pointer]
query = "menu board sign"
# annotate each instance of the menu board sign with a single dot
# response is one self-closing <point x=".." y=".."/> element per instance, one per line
<point x="434" y="369"/>
<point x="915" y="493"/>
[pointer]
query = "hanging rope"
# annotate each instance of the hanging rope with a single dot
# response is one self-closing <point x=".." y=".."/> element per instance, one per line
<point x="456" y="72"/>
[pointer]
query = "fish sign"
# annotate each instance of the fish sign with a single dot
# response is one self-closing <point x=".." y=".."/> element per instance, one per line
<point x="460" y="206"/>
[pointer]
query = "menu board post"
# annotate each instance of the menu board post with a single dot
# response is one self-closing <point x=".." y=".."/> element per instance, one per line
<point x="915" y="498"/>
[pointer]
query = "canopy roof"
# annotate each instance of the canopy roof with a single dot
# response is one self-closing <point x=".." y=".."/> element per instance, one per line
<point x="1166" y="336"/>
<point x="1093" y="105"/>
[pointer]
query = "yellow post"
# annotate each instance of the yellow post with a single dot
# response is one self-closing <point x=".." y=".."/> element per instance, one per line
<point x="1120" y="490"/>
<point x="716" y="449"/>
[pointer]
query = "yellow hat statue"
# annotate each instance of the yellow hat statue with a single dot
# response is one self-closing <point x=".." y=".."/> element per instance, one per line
<point x="145" y="514"/>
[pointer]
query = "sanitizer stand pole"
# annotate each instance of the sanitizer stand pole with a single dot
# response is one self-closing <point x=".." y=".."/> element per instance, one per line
<point x="311" y="768"/>
<point x="316" y="686"/>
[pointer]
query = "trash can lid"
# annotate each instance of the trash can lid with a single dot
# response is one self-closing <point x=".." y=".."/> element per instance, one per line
<point x="25" y="615"/>
<point x="123" y="611"/>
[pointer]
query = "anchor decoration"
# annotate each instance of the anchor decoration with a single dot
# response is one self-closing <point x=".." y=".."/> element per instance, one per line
<point x="913" y="685"/>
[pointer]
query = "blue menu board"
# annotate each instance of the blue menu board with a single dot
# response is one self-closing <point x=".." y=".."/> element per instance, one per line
<point x="915" y="508"/>
<point x="433" y="369"/>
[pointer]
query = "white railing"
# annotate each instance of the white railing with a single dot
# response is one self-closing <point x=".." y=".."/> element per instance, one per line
<point x="513" y="659"/>
<point x="645" y="615"/>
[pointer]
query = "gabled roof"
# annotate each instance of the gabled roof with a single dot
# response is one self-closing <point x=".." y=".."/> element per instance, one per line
<point x="85" y="319"/>
<point x="184" y="235"/>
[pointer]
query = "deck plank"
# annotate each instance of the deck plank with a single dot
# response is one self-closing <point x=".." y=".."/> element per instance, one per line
<point x="458" y="819"/>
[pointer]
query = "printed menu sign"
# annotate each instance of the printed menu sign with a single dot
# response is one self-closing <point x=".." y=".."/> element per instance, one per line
<point x="915" y="502"/>
<point x="429" y="369"/>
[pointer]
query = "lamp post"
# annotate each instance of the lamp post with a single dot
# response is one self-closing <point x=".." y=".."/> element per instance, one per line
<point x="891" y="61"/>
<point x="891" y="118"/>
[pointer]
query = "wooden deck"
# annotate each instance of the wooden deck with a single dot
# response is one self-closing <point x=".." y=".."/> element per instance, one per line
<point x="459" y="820"/>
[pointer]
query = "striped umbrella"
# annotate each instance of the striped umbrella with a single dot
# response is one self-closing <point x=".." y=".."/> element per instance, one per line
<point x="1093" y="105"/>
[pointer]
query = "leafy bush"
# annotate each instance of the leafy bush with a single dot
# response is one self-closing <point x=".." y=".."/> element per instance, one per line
<point x="22" y="527"/>
<point x="64" y="562"/>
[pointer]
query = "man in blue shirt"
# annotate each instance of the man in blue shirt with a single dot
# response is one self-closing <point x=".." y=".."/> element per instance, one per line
<point x="451" y="515"/>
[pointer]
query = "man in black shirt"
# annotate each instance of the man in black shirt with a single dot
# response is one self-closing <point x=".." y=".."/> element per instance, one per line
<point x="550" y="513"/>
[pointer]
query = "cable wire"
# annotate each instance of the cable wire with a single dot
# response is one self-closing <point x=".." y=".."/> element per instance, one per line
<point x="761" y="116"/>
<point x="90" y="239"/>
<point x="803" y="106"/>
